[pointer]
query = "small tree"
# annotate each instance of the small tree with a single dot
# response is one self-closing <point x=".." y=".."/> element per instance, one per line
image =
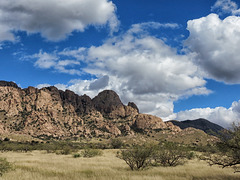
<point x="171" y="154"/>
<point x="228" y="154"/>
<point x="137" y="157"/>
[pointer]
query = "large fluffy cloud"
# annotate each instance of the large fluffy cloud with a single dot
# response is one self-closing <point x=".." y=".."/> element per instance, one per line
<point x="138" y="66"/>
<point x="145" y="64"/>
<point x="219" y="115"/>
<point x="54" y="19"/>
<point x="216" y="43"/>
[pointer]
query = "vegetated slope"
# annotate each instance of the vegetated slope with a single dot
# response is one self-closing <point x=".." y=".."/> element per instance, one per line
<point x="202" y="124"/>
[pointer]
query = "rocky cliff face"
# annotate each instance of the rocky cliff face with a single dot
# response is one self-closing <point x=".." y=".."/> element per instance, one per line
<point x="49" y="112"/>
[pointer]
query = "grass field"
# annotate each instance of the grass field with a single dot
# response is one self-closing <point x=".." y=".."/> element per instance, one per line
<point x="38" y="165"/>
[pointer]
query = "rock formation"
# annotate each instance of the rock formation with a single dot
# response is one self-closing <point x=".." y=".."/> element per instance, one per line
<point x="52" y="113"/>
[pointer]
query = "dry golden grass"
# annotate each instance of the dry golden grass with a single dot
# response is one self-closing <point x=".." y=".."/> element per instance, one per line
<point x="38" y="165"/>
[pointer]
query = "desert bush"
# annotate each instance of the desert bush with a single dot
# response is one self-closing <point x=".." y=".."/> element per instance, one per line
<point x="88" y="152"/>
<point x="65" y="151"/>
<point x="209" y="148"/>
<point x="76" y="155"/>
<point x="15" y="146"/>
<point x="116" y="143"/>
<point x="50" y="146"/>
<point x="171" y="154"/>
<point x="5" y="166"/>
<point x="137" y="157"/>
<point x="97" y="145"/>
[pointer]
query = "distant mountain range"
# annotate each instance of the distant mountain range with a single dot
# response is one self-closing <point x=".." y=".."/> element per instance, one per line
<point x="202" y="124"/>
<point x="49" y="113"/>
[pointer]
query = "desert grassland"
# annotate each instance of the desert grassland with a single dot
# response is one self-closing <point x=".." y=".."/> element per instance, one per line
<point x="38" y="165"/>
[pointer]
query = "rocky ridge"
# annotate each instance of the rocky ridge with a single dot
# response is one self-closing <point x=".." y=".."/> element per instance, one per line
<point x="202" y="124"/>
<point x="52" y="113"/>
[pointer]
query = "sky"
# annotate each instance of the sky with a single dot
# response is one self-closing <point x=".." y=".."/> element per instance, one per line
<point x="175" y="59"/>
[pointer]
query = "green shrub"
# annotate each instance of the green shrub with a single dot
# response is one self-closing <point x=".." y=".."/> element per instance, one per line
<point x="116" y="143"/>
<point x="91" y="152"/>
<point x="64" y="151"/>
<point x="5" y="166"/>
<point x="137" y="157"/>
<point x="77" y="155"/>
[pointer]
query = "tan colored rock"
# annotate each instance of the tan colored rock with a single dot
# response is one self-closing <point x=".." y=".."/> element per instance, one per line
<point x="60" y="114"/>
<point x="172" y="127"/>
<point x="146" y="122"/>
<point x="127" y="130"/>
<point x="113" y="130"/>
<point x="10" y="99"/>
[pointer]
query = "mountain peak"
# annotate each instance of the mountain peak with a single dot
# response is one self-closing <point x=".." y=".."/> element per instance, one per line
<point x="9" y="84"/>
<point x="107" y="101"/>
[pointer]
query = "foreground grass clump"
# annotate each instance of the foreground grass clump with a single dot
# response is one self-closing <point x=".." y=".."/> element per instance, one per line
<point x="39" y="165"/>
<point x="5" y="166"/>
<point x="88" y="152"/>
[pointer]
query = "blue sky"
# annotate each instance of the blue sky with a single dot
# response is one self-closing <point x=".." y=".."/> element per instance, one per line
<point x="174" y="59"/>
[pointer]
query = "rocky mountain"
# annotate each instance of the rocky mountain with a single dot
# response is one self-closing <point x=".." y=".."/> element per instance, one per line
<point x="52" y="113"/>
<point x="202" y="124"/>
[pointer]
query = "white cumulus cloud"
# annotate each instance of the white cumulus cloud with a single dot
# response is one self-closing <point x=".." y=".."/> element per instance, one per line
<point x="219" y="115"/>
<point x="216" y="43"/>
<point x="140" y="68"/>
<point x="145" y="64"/>
<point x="54" y="19"/>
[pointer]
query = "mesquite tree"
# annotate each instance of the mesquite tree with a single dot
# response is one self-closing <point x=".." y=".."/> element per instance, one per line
<point x="172" y="154"/>
<point x="228" y="154"/>
<point x="137" y="157"/>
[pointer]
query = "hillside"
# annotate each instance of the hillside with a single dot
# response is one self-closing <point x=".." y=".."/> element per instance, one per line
<point x="202" y="124"/>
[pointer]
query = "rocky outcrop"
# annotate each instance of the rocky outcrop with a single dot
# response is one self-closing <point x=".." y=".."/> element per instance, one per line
<point x="133" y="105"/>
<point x="144" y="122"/>
<point x="108" y="102"/>
<point x="172" y="127"/>
<point x="8" y="84"/>
<point x="52" y="113"/>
